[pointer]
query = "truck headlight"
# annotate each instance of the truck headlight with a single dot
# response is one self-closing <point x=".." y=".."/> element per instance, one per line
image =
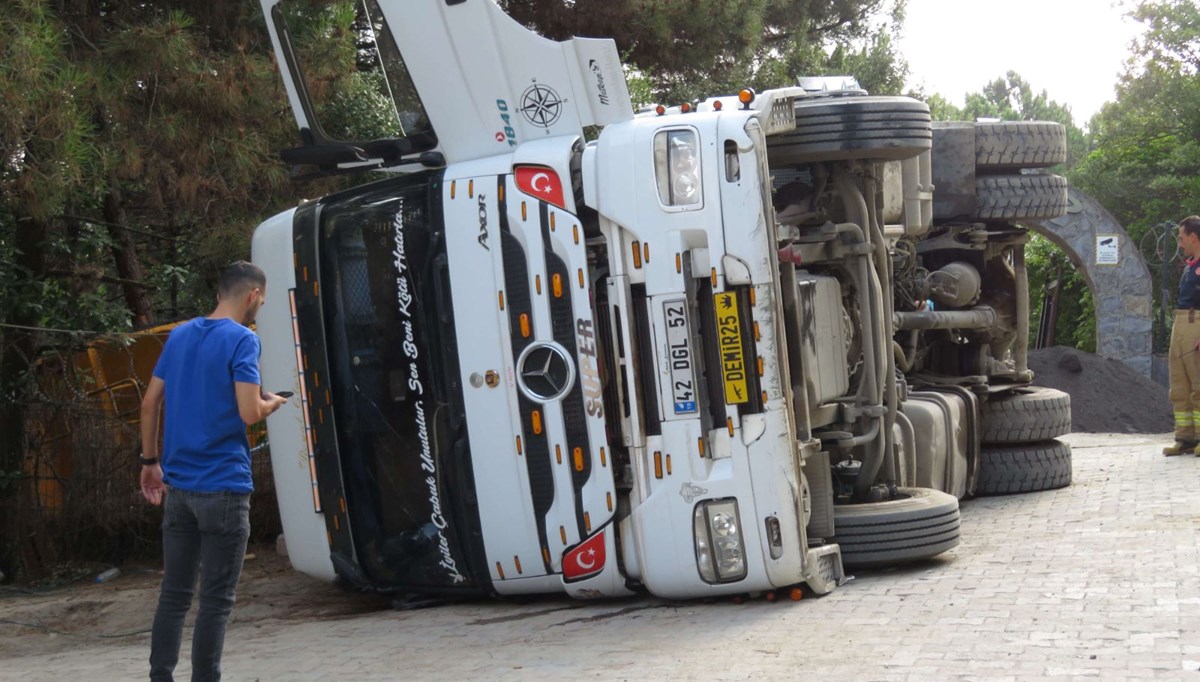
<point x="720" y="554"/>
<point x="677" y="167"/>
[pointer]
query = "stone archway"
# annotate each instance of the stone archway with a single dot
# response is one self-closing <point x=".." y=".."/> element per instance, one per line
<point x="1121" y="289"/>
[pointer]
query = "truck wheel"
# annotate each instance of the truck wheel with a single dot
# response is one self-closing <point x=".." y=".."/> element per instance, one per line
<point x="919" y="523"/>
<point x="1007" y="145"/>
<point x="1014" y="198"/>
<point x="1024" y="468"/>
<point x="1027" y="415"/>
<point x="854" y="128"/>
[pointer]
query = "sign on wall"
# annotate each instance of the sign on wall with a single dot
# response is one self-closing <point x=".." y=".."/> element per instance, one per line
<point x="1107" y="248"/>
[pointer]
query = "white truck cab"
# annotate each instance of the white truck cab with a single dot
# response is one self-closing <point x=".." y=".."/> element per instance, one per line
<point x="663" y="359"/>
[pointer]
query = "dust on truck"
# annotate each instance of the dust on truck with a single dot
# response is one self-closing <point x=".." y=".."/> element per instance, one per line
<point x="694" y="356"/>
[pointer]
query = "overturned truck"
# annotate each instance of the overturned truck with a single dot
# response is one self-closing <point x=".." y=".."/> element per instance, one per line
<point x="716" y="349"/>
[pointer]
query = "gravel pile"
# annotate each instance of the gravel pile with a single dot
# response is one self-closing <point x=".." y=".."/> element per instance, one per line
<point x="1106" y="395"/>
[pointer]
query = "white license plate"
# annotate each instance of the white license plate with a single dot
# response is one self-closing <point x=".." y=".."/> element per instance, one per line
<point x="679" y="355"/>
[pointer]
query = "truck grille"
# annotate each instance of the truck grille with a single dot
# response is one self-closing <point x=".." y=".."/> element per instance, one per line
<point x="526" y="302"/>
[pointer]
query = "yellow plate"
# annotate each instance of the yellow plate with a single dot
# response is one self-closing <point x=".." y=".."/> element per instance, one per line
<point x="729" y="339"/>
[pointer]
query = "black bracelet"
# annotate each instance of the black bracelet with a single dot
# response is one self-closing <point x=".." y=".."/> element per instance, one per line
<point x="147" y="461"/>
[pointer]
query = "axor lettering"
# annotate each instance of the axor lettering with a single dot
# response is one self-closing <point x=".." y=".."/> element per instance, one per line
<point x="483" y="229"/>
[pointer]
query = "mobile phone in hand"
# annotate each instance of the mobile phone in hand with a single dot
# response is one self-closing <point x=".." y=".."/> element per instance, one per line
<point x="284" y="394"/>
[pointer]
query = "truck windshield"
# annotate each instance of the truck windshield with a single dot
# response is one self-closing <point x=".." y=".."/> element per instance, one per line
<point x="352" y="80"/>
<point x="389" y="333"/>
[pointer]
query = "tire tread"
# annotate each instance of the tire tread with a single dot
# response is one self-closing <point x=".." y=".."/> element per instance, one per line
<point x="1021" y="197"/>
<point x="1019" y="144"/>
<point x="1024" y="468"/>
<point x="1027" y="417"/>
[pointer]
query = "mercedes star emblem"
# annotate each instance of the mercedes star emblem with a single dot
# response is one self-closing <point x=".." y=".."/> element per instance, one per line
<point x="545" y="372"/>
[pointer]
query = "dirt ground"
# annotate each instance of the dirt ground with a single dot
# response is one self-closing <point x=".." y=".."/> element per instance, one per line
<point x="1106" y="396"/>
<point x="47" y="620"/>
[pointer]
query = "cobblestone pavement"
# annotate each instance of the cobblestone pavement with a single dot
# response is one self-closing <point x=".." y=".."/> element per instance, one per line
<point x="1096" y="580"/>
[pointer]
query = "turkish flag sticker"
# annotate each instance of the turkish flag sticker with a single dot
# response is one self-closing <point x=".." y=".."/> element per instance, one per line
<point x="585" y="559"/>
<point x="541" y="182"/>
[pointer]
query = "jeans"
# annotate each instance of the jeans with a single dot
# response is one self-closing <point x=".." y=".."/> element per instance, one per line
<point x="205" y="534"/>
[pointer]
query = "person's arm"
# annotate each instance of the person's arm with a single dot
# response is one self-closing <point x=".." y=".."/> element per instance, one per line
<point x="152" y="477"/>
<point x="253" y="404"/>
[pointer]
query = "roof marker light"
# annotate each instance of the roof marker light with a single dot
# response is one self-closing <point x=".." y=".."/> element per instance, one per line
<point x="746" y="97"/>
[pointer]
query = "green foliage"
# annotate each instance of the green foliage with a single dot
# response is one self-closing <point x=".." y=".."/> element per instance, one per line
<point x="137" y="151"/>
<point x="1076" y="324"/>
<point x="174" y="120"/>
<point x="940" y="108"/>
<point x="1144" y="161"/>
<point x="336" y="52"/>
<point x="47" y="146"/>
<point x="690" y="50"/>
<point x="44" y="129"/>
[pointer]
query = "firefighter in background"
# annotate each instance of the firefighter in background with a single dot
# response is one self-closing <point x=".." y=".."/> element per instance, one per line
<point x="1184" y="353"/>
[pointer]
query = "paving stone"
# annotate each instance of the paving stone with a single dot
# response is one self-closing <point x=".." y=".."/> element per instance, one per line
<point x="1095" y="581"/>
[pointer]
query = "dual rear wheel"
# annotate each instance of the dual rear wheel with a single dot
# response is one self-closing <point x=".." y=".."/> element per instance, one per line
<point x="1020" y="453"/>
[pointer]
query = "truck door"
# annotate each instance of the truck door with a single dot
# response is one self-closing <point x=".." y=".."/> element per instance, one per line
<point x="377" y="82"/>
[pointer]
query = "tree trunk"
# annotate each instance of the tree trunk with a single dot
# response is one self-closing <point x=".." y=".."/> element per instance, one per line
<point x="18" y="556"/>
<point x="125" y="256"/>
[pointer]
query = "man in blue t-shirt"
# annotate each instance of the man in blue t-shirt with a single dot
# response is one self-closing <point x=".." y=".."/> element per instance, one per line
<point x="1183" y="356"/>
<point x="207" y="376"/>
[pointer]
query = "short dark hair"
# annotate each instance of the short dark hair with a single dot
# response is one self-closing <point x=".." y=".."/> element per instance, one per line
<point x="240" y="277"/>
<point x="1191" y="225"/>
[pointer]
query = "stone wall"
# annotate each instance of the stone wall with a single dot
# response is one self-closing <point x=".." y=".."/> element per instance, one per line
<point x="1121" y="289"/>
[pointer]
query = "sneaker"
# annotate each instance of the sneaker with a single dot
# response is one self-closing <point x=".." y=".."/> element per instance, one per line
<point x="1180" y="447"/>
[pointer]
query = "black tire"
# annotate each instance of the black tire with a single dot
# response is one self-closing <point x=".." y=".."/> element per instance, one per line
<point x="844" y="128"/>
<point x="1024" y="468"/>
<point x="1027" y="415"/>
<point x="1006" y="145"/>
<point x="918" y="524"/>
<point x="1014" y="198"/>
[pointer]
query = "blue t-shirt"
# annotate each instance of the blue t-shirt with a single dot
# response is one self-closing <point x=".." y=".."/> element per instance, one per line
<point x="204" y="439"/>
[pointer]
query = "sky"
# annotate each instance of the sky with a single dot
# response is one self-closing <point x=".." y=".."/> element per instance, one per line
<point x="1072" y="49"/>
